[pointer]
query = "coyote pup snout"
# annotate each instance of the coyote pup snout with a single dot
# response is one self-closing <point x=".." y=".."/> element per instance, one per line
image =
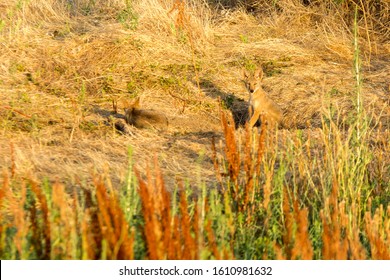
<point x="259" y="102"/>
<point x="145" y="118"/>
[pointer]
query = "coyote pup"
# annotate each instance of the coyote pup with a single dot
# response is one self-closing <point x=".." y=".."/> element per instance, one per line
<point x="145" y="118"/>
<point x="259" y="102"/>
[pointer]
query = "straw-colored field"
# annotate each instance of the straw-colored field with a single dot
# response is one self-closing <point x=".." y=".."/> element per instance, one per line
<point x="67" y="66"/>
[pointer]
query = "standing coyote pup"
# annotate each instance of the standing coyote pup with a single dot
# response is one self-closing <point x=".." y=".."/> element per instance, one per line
<point x="145" y="118"/>
<point x="259" y="102"/>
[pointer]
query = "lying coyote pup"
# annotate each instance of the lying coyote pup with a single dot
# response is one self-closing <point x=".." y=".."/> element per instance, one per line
<point x="259" y="102"/>
<point x="145" y="118"/>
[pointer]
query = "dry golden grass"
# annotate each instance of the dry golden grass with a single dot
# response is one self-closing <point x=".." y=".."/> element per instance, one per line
<point x="63" y="65"/>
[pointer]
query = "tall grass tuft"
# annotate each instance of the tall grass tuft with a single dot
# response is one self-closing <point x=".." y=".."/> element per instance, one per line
<point x="377" y="228"/>
<point x="113" y="225"/>
<point x="168" y="234"/>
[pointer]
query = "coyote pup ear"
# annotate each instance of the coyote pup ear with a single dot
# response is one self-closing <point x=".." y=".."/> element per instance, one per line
<point x="136" y="103"/>
<point x="245" y="73"/>
<point x="125" y="104"/>
<point x="259" y="73"/>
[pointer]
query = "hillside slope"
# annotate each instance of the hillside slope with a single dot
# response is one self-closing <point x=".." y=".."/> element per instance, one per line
<point x="64" y="69"/>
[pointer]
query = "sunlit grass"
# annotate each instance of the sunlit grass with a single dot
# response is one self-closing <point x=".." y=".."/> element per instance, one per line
<point x="295" y="193"/>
